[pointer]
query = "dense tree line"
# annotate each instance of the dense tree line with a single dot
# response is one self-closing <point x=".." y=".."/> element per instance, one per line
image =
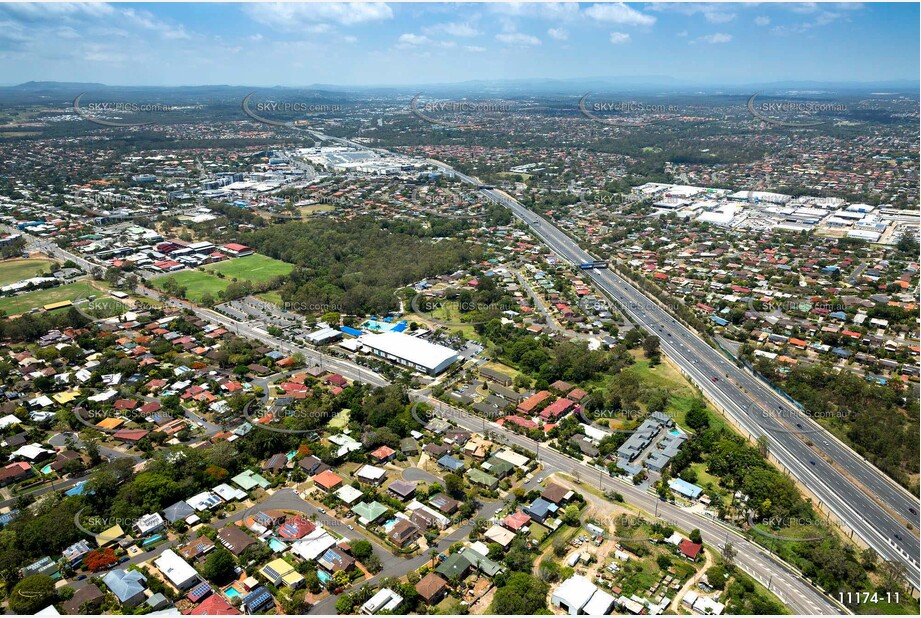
<point x="879" y="422"/>
<point x="354" y="266"/>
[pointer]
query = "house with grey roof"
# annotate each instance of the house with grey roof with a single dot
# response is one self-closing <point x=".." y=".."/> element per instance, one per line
<point x="127" y="586"/>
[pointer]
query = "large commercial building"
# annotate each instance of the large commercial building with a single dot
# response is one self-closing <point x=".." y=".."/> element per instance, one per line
<point x="410" y="351"/>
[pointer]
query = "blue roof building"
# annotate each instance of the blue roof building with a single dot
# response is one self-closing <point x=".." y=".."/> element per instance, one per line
<point x="127" y="586"/>
<point x="685" y="489"/>
<point x="451" y="463"/>
<point x="541" y="509"/>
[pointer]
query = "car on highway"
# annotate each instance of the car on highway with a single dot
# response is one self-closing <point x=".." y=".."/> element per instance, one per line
<point x="322" y="510"/>
<point x="714" y="379"/>
<point x="812" y="461"/>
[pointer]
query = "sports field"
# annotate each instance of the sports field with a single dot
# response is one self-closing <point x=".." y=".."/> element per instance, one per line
<point x="15" y="270"/>
<point x="255" y="268"/>
<point x="196" y="283"/>
<point x="14" y="305"/>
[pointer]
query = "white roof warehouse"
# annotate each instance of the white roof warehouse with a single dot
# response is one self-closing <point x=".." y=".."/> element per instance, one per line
<point x="410" y="351"/>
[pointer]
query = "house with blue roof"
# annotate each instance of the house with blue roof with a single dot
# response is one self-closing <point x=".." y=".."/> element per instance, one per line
<point x="540" y="510"/>
<point x="452" y="464"/>
<point x="127" y="586"/>
<point x="685" y="489"/>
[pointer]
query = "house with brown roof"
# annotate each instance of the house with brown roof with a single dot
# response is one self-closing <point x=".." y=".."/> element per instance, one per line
<point x="556" y="494"/>
<point x="444" y="503"/>
<point x="85" y="600"/>
<point x="432" y="588"/>
<point x="196" y="548"/>
<point x="561" y="387"/>
<point x="275" y="464"/>
<point x="234" y="539"/>
<point x="403" y="533"/>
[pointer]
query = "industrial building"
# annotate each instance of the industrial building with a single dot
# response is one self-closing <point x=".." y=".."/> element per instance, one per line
<point x="412" y="352"/>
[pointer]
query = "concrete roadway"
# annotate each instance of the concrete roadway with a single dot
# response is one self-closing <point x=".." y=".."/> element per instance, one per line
<point x="876" y="508"/>
<point x="796" y="593"/>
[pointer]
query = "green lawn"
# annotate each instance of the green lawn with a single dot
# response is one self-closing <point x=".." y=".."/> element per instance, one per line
<point x="103" y="307"/>
<point x="272" y="297"/>
<point x="15" y="270"/>
<point x="196" y="283"/>
<point x="255" y="268"/>
<point x="14" y="305"/>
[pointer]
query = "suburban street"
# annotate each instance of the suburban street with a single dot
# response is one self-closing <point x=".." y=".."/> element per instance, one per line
<point x="796" y="593"/>
<point x="854" y="491"/>
<point x="863" y="498"/>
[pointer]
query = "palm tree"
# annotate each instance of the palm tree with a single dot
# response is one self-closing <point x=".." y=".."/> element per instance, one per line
<point x="434" y="554"/>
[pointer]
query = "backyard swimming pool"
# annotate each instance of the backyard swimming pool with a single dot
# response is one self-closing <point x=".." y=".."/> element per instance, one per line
<point x="231" y="593"/>
<point x="152" y="539"/>
<point x="323" y="577"/>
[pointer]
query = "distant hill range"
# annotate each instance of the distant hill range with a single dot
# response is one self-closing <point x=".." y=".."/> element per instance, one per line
<point x="55" y="92"/>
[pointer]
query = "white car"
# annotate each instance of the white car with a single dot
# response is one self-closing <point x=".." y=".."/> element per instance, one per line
<point x="350" y="527"/>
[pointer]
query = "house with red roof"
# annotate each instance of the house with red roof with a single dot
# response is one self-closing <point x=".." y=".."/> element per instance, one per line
<point x="528" y="405"/>
<point x="524" y="423"/>
<point x="215" y="605"/>
<point x="689" y="549"/>
<point x="516" y="521"/>
<point x="327" y="480"/>
<point x="150" y="407"/>
<point x="130" y="435"/>
<point x="383" y="454"/>
<point x="556" y="409"/>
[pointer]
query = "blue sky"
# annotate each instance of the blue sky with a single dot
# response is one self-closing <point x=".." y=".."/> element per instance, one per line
<point x="395" y="43"/>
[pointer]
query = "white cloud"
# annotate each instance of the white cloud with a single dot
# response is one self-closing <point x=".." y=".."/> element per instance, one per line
<point x="619" y="38"/>
<point x="291" y="16"/>
<point x="517" y="38"/>
<point x="719" y="18"/>
<point x="413" y="39"/>
<point x="454" y="29"/>
<point x="619" y="13"/>
<point x="762" y="20"/>
<point x="558" y="34"/>
<point x="476" y="49"/>
<point x="37" y="12"/>
<point x="554" y="11"/>
<point x="145" y="20"/>
<point x="714" y="39"/>
<point x="714" y="13"/>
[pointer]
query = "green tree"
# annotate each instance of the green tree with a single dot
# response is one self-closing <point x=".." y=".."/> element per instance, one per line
<point x="219" y="566"/>
<point x="32" y="594"/>
<point x="522" y="595"/>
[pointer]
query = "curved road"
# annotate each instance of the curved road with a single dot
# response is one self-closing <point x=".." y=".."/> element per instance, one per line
<point x="862" y="497"/>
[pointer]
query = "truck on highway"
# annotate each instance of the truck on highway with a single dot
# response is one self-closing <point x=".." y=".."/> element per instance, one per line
<point x="587" y="265"/>
<point x="600" y="264"/>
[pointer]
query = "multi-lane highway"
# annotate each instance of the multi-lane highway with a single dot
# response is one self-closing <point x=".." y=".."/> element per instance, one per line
<point x="797" y="594"/>
<point x="859" y="495"/>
